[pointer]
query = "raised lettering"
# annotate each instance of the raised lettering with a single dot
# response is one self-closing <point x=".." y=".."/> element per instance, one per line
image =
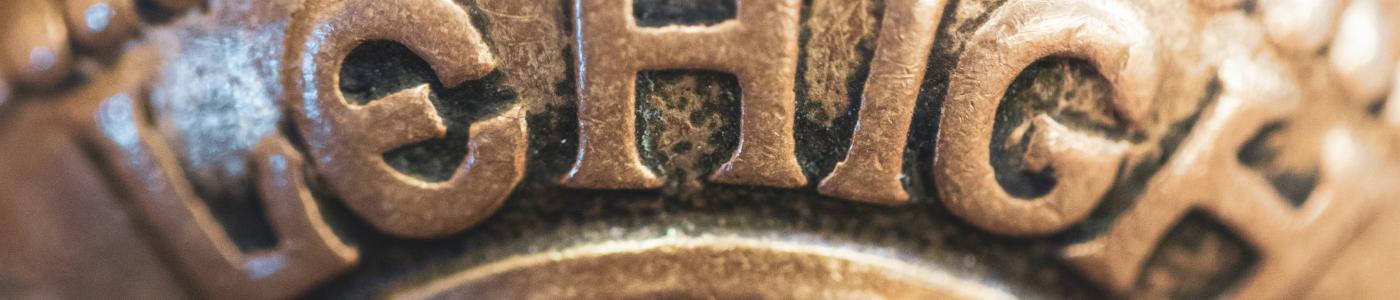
<point x="307" y="253"/>
<point x="348" y="141"/>
<point x="875" y="162"/>
<point x="760" y="48"/>
<point x="1021" y="32"/>
<point x="1293" y="243"/>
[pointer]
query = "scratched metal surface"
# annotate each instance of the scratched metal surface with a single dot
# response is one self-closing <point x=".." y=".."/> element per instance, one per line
<point x="215" y="87"/>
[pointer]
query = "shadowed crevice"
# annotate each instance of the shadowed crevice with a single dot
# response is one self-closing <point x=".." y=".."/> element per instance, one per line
<point x="380" y="68"/>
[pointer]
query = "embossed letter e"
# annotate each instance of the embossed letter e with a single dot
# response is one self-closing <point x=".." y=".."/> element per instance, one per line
<point x="759" y="47"/>
<point x="348" y="140"/>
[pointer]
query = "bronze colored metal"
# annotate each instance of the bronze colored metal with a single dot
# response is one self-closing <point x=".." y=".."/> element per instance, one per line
<point x="836" y="48"/>
<point x="348" y="141"/>
<point x="307" y="252"/>
<point x="1206" y="175"/>
<point x="875" y="162"/>
<point x="177" y="5"/>
<point x="701" y="267"/>
<point x="36" y="51"/>
<point x="5" y="89"/>
<point x="1217" y="4"/>
<point x="1193" y="149"/>
<point x="1392" y="106"/>
<point x="1017" y="35"/>
<point x="1365" y="58"/>
<point x="1300" y="27"/>
<point x="759" y="46"/>
<point x="74" y="240"/>
<point x="529" y="37"/>
<point x="100" y="24"/>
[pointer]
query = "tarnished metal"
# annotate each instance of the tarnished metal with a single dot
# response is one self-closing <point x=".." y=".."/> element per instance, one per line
<point x="759" y="47"/>
<point x="348" y="141"/>
<point x="600" y="149"/>
<point x="1020" y="33"/>
<point x="874" y="162"/>
<point x="701" y="267"/>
